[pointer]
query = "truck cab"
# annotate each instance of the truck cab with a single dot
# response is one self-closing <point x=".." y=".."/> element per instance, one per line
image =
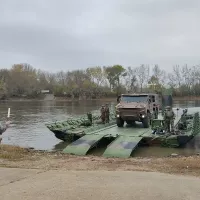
<point x="137" y="107"/>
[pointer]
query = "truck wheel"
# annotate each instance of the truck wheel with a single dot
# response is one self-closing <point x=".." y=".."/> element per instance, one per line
<point x="146" y="122"/>
<point x="120" y="122"/>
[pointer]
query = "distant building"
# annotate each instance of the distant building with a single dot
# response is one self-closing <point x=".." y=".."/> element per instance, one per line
<point x="44" y="91"/>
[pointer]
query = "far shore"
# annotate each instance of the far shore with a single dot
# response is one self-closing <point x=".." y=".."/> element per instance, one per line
<point x="108" y="99"/>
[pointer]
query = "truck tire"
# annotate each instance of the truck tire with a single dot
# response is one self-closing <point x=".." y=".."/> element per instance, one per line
<point x="120" y="122"/>
<point x="146" y="122"/>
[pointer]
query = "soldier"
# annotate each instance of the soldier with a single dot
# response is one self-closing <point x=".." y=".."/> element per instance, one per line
<point x="107" y="114"/>
<point x="3" y="128"/>
<point x="0" y="137"/>
<point x="169" y="117"/>
<point x="89" y="116"/>
<point x="103" y="114"/>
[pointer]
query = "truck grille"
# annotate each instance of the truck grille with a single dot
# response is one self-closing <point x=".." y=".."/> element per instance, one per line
<point x="130" y="111"/>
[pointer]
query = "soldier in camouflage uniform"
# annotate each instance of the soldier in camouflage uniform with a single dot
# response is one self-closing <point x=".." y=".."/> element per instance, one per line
<point x="3" y="128"/>
<point x="89" y="116"/>
<point x="107" y="114"/>
<point x="0" y="137"/>
<point x="103" y="114"/>
<point x="169" y="117"/>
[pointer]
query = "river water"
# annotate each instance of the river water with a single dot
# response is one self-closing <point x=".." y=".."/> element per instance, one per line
<point x="28" y="124"/>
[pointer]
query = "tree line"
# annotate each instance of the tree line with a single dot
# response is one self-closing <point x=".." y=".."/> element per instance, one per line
<point x="23" y="80"/>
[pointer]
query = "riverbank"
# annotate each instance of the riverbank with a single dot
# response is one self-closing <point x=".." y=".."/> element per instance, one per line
<point x="16" y="157"/>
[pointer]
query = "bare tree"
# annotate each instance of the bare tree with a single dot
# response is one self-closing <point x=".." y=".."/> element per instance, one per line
<point x="177" y="75"/>
<point x="130" y="79"/>
<point x="159" y="74"/>
<point x="142" y="74"/>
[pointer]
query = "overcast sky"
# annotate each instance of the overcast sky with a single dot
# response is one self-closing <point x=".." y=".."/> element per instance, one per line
<point x="70" y="34"/>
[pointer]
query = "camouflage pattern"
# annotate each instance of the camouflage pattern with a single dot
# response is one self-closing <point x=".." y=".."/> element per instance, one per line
<point x="122" y="147"/>
<point x="103" y="114"/>
<point x="3" y="128"/>
<point x="169" y="117"/>
<point x="82" y="145"/>
<point x="79" y="125"/>
<point x="196" y="125"/>
<point x="107" y="114"/>
<point x="183" y="122"/>
<point x="89" y="116"/>
<point x="127" y="139"/>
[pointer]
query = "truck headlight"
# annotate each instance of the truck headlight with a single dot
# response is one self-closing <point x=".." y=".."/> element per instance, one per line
<point x="117" y="115"/>
<point x="143" y="116"/>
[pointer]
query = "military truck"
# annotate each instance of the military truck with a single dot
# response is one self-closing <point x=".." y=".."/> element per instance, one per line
<point x="137" y="107"/>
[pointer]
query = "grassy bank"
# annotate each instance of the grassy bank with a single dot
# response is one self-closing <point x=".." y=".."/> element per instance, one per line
<point x="9" y="152"/>
<point x="25" y="158"/>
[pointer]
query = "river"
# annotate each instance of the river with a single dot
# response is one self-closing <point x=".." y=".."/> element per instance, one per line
<point x="28" y="124"/>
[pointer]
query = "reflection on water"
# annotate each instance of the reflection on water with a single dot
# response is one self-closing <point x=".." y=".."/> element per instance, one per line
<point x="28" y="123"/>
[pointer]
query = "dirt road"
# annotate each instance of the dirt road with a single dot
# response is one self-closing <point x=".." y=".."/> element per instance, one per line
<point x="30" y="184"/>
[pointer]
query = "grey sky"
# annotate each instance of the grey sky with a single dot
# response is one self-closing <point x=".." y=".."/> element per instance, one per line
<point x="71" y="34"/>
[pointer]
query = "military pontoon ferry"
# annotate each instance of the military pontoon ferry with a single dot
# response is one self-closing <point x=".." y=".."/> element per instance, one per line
<point x="121" y="141"/>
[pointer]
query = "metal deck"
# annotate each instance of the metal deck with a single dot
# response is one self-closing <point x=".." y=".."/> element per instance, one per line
<point x="133" y="131"/>
<point x="126" y="140"/>
<point x="122" y="147"/>
<point x="83" y="144"/>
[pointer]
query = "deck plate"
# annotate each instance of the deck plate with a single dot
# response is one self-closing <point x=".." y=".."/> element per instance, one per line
<point x="83" y="144"/>
<point x="122" y="147"/>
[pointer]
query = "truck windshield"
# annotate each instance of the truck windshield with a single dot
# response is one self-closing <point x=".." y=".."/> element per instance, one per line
<point x="134" y="99"/>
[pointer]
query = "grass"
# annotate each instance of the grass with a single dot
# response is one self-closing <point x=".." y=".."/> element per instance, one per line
<point x="179" y="165"/>
<point x="12" y="152"/>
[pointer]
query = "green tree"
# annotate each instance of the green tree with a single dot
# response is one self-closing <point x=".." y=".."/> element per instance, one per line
<point x="114" y="74"/>
<point x="154" y="84"/>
